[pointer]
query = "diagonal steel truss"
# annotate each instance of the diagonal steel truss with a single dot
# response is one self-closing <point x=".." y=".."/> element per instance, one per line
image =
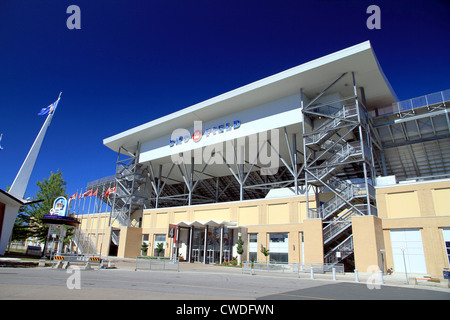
<point x="131" y="187"/>
<point x="244" y="182"/>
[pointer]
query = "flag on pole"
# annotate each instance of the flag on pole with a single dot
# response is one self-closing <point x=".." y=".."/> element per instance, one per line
<point x="74" y="196"/>
<point x="50" y="108"/>
<point x="87" y="193"/>
<point x="109" y="191"/>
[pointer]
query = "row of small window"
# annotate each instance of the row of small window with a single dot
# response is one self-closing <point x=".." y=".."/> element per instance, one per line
<point x="274" y="257"/>
<point x="273" y="237"/>
<point x="278" y="247"/>
<point x="159" y="238"/>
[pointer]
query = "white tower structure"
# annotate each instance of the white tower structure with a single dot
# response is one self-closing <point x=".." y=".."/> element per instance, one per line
<point x="19" y="186"/>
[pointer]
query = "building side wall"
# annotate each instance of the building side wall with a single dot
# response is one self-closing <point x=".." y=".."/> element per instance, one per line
<point x="414" y="200"/>
<point x="368" y="243"/>
<point x="130" y="242"/>
<point x="260" y="216"/>
<point x="423" y="206"/>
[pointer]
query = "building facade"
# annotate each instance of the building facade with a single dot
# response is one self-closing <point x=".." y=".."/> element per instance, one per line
<point x="317" y="164"/>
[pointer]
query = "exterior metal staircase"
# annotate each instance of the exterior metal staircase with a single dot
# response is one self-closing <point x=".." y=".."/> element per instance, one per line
<point x="338" y="160"/>
<point x="84" y="242"/>
<point x="131" y="180"/>
<point x="130" y="195"/>
<point x="330" y="127"/>
<point x="341" y="156"/>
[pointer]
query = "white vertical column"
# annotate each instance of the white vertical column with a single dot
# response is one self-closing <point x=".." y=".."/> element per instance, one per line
<point x="204" y="244"/>
<point x="221" y="244"/>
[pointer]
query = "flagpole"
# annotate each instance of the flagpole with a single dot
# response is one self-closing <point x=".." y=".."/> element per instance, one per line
<point x="79" y="202"/>
<point x="75" y="205"/>
<point x="89" y="208"/>
<point x="104" y="221"/>
<point x="84" y="202"/>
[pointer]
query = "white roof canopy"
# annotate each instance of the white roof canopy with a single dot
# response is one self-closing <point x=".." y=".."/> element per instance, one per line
<point x="310" y="76"/>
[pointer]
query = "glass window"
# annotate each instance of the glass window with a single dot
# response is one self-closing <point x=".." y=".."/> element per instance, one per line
<point x="278" y="237"/>
<point x="277" y="257"/>
<point x="159" y="239"/>
<point x="252" y="246"/>
<point x="279" y="247"/>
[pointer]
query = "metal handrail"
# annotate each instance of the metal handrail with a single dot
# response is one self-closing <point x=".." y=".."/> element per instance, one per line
<point x="345" y="247"/>
<point x="344" y="113"/>
<point x="428" y="101"/>
<point x="80" y="238"/>
<point x="347" y="192"/>
<point x="336" y="226"/>
<point x="295" y="268"/>
<point x="150" y="263"/>
<point x="341" y="154"/>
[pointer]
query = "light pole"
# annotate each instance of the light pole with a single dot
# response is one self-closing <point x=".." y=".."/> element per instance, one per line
<point x="404" y="263"/>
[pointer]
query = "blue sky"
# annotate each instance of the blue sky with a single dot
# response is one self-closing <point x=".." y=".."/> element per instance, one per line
<point x="135" y="61"/>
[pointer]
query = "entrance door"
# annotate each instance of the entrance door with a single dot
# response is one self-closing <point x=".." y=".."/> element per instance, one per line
<point x="446" y="234"/>
<point x="198" y="243"/>
<point x="213" y="245"/>
<point x="407" y="251"/>
<point x="182" y="245"/>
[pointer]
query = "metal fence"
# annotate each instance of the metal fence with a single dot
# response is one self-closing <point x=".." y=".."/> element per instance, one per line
<point x="428" y="100"/>
<point x="146" y="263"/>
<point x="292" y="268"/>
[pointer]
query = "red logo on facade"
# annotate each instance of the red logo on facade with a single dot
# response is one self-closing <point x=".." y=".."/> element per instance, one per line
<point x="197" y="135"/>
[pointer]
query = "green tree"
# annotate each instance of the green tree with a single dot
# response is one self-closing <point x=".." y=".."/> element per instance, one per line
<point x="265" y="252"/>
<point x="29" y="220"/>
<point x="240" y="248"/>
<point x="240" y="243"/>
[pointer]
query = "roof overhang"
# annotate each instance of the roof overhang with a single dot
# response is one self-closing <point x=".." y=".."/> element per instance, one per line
<point x="312" y="77"/>
<point x="210" y="223"/>
<point x="9" y="199"/>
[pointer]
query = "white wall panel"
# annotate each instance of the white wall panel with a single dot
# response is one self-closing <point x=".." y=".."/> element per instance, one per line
<point x="409" y="242"/>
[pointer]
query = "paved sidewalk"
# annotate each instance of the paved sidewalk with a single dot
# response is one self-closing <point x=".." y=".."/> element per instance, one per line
<point x="370" y="279"/>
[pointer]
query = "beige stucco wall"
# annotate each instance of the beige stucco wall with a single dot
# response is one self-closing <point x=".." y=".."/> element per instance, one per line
<point x="368" y="242"/>
<point x="259" y="216"/>
<point x="130" y="242"/>
<point x="424" y="206"/>
<point x="419" y="205"/>
<point x="424" y="199"/>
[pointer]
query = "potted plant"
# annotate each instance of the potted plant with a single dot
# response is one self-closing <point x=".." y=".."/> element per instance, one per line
<point x="144" y="248"/>
<point x="265" y="252"/>
<point x="240" y="249"/>
<point x="159" y="248"/>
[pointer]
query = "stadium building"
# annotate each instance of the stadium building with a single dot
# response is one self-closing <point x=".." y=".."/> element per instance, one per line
<point x="318" y="164"/>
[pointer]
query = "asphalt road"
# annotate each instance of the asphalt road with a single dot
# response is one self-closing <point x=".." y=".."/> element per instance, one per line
<point x="117" y="284"/>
